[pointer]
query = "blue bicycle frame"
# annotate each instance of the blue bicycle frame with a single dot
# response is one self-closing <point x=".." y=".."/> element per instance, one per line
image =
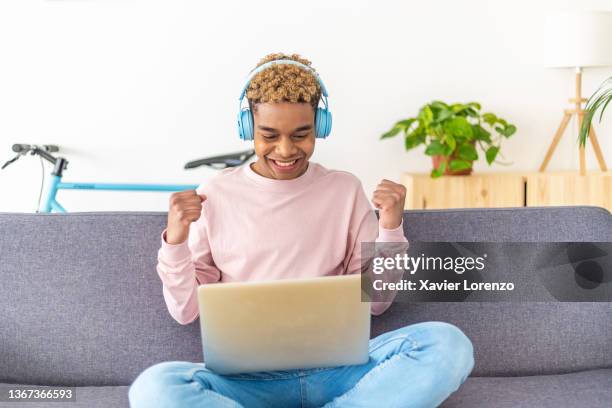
<point x="60" y="164"/>
<point x="56" y="184"/>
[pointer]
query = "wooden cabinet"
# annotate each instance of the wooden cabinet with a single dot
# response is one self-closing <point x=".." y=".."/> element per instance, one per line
<point x="486" y="190"/>
<point x="570" y="188"/>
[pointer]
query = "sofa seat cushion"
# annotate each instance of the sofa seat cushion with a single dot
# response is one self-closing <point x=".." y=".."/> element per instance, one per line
<point x="86" y="397"/>
<point x="591" y="389"/>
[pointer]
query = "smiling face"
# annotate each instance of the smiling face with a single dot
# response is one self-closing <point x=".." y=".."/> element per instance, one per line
<point x="284" y="139"/>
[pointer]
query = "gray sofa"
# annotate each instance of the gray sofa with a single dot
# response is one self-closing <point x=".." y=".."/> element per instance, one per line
<point x="81" y="305"/>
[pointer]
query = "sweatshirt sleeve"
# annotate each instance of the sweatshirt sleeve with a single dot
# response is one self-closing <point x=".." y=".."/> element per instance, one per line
<point x="365" y="228"/>
<point x="182" y="267"/>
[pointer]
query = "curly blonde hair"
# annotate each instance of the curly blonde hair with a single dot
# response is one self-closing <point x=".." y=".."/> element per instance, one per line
<point x="284" y="83"/>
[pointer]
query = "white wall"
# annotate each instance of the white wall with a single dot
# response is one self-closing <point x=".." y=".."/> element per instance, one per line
<point x="131" y="90"/>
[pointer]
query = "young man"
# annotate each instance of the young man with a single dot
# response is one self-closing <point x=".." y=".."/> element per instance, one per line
<point x="286" y="217"/>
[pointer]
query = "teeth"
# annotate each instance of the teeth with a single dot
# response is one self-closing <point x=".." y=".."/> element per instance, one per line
<point x="285" y="164"/>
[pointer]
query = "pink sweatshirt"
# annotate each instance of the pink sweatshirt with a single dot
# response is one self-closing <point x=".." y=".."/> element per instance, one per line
<point x="256" y="228"/>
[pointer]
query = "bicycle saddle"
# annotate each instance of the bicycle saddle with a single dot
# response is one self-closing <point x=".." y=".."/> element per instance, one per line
<point x="222" y="161"/>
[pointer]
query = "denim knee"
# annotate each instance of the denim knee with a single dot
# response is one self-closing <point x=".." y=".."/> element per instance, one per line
<point x="452" y="347"/>
<point x="153" y="387"/>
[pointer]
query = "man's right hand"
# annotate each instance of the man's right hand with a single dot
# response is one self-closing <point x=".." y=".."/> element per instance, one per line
<point x="185" y="208"/>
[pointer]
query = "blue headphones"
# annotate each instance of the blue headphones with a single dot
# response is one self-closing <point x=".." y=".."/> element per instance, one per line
<point x="323" y="117"/>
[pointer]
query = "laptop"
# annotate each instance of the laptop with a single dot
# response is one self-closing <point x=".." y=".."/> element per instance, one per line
<point x="284" y="324"/>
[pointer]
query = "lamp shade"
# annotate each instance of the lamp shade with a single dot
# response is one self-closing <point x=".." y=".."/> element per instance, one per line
<point x="578" y="39"/>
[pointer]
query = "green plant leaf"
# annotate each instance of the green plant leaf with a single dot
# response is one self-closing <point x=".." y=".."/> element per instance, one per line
<point x="489" y="118"/>
<point x="435" y="173"/>
<point x="437" y="130"/>
<point x="442" y="115"/>
<point x="584" y="129"/>
<point x="439" y="105"/>
<point x="467" y="152"/>
<point x="606" y="101"/>
<point x="457" y="107"/>
<point x="393" y="132"/>
<point x="601" y="97"/>
<point x="435" y="148"/>
<point x="439" y="108"/>
<point x="459" y="126"/>
<point x="469" y="109"/>
<point x="406" y="123"/>
<point x="422" y="138"/>
<point x="491" y="154"/>
<point x="402" y="125"/>
<point x="472" y="113"/>
<point x="450" y="141"/>
<point x="426" y="115"/>
<point x="509" y="130"/>
<point x="448" y="150"/>
<point x="481" y="133"/>
<point x="457" y="164"/>
<point x="412" y="141"/>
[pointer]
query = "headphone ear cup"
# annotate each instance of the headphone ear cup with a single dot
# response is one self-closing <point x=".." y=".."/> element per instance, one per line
<point x="323" y="123"/>
<point x="245" y="125"/>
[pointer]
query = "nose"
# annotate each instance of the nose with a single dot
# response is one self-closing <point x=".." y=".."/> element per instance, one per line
<point x="286" y="147"/>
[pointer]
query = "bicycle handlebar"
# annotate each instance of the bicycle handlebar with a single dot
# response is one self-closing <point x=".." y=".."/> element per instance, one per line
<point x="44" y="151"/>
<point x="18" y="148"/>
<point x="24" y="148"/>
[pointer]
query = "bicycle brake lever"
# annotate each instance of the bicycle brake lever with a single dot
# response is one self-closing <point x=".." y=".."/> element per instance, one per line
<point x="14" y="159"/>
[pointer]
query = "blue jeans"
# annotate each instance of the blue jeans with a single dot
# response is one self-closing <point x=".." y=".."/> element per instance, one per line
<point x="416" y="366"/>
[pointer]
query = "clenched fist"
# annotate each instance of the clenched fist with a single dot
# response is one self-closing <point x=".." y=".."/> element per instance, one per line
<point x="185" y="208"/>
<point x="389" y="199"/>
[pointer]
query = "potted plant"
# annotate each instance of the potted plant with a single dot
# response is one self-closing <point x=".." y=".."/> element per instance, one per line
<point x="600" y="99"/>
<point x="453" y="134"/>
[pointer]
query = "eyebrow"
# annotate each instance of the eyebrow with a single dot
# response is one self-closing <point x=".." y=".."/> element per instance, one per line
<point x="272" y="130"/>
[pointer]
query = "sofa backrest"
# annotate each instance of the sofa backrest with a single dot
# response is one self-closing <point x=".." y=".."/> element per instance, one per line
<point x="82" y="303"/>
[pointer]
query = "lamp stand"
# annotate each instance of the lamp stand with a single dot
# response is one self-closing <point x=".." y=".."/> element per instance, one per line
<point x="567" y="115"/>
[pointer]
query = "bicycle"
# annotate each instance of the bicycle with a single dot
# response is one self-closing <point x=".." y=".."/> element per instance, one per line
<point x="60" y="164"/>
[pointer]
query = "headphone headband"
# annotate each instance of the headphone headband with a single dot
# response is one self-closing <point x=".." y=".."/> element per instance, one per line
<point x="323" y="117"/>
<point x="282" y="62"/>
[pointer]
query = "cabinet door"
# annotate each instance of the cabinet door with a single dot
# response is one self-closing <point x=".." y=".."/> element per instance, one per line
<point x="570" y="188"/>
<point x="473" y="191"/>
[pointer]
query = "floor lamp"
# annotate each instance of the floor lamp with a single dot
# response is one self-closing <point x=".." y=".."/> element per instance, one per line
<point x="578" y="40"/>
